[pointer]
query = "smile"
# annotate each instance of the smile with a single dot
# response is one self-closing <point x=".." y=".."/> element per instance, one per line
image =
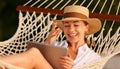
<point x="72" y="35"/>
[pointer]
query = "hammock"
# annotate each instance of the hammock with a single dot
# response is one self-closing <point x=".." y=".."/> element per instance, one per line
<point x="35" y="20"/>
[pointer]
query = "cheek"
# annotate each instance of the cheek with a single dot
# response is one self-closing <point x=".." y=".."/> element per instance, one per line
<point x="80" y="31"/>
<point x="65" y="32"/>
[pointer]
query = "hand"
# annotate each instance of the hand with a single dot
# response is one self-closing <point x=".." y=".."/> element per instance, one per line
<point x="66" y="62"/>
<point x="55" y="31"/>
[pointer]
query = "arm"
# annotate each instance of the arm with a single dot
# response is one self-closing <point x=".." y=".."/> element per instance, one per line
<point x="55" y="31"/>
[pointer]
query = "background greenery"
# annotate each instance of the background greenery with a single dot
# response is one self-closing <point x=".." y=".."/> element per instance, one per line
<point x="9" y="18"/>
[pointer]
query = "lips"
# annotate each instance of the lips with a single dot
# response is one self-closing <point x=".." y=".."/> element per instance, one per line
<point x="72" y="35"/>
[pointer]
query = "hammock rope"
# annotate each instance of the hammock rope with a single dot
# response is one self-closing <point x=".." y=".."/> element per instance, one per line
<point x="35" y="23"/>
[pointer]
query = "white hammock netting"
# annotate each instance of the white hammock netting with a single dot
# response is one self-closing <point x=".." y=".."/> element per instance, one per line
<point x="35" y="23"/>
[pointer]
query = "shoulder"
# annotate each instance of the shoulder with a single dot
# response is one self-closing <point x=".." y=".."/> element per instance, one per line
<point x="89" y="54"/>
<point x="92" y="52"/>
<point x="85" y="55"/>
<point x="93" y="56"/>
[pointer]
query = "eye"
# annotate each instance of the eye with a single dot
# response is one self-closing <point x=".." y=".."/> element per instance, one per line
<point x="66" y="25"/>
<point x="76" y="25"/>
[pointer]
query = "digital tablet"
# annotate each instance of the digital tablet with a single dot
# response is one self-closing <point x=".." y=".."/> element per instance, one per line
<point x="51" y="53"/>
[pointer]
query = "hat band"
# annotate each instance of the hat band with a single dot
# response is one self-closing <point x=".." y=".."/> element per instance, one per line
<point x="74" y="14"/>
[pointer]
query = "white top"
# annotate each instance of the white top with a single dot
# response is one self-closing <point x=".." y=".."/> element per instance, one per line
<point x="85" y="54"/>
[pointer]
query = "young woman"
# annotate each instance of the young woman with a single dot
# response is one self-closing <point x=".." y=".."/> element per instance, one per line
<point x="76" y="25"/>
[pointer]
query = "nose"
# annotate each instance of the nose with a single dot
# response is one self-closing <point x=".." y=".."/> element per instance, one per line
<point x="71" y="29"/>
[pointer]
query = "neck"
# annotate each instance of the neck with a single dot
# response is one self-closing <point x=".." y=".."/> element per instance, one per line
<point x="76" y="45"/>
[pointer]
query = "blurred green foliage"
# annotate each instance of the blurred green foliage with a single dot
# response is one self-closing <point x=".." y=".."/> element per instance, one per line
<point x="9" y="18"/>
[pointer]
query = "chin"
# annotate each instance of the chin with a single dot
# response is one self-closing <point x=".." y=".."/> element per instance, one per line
<point x="73" y="41"/>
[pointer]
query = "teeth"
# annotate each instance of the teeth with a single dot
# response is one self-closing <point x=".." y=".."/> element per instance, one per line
<point x="72" y="35"/>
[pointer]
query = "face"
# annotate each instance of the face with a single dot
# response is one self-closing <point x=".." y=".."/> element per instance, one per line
<point x="74" y="30"/>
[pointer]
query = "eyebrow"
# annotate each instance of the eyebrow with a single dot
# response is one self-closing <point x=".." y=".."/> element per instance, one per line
<point x="71" y="21"/>
<point x="76" y="21"/>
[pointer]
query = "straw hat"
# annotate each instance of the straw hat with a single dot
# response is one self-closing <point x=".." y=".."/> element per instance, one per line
<point x="76" y="12"/>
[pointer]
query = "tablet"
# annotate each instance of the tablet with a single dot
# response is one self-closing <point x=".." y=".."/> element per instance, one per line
<point x="51" y="53"/>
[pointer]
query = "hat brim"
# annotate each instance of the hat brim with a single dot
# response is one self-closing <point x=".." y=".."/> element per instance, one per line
<point x="94" y="24"/>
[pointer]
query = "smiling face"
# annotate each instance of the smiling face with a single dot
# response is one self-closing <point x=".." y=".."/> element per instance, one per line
<point x="75" y="30"/>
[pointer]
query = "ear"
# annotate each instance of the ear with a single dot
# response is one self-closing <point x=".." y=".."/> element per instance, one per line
<point x="87" y="29"/>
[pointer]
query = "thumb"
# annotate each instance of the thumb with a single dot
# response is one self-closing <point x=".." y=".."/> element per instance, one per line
<point x="69" y="55"/>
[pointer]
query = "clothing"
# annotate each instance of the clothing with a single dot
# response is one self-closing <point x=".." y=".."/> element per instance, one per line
<point x="85" y="54"/>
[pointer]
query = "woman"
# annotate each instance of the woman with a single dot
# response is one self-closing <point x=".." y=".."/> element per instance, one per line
<point x="76" y="25"/>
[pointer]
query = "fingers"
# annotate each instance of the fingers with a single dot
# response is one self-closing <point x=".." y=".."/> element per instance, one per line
<point x="54" y="25"/>
<point x="53" y="33"/>
<point x="66" y="62"/>
<point x="55" y="30"/>
<point x="66" y="58"/>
